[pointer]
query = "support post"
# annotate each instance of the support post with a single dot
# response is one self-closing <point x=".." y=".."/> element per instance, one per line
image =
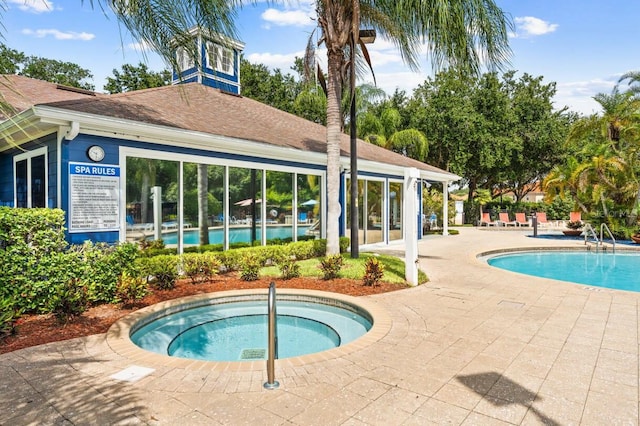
<point x="156" y="193"/>
<point x="410" y="225"/>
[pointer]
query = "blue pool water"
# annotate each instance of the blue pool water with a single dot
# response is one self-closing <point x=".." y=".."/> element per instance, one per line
<point x="237" y="331"/>
<point x="236" y="235"/>
<point x="600" y="269"/>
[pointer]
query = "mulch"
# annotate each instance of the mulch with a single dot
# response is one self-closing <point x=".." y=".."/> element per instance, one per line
<point x="35" y="330"/>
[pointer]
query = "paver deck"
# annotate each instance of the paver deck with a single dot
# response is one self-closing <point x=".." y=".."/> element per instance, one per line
<point x="476" y="345"/>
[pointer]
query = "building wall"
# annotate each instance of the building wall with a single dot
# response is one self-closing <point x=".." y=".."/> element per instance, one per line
<point x="7" y="173"/>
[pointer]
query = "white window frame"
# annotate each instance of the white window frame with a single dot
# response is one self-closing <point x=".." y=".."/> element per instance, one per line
<point x="185" y="61"/>
<point x="28" y="156"/>
<point x="220" y="58"/>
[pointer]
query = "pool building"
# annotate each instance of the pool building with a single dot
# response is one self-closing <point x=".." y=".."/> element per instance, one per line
<point x="194" y="158"/>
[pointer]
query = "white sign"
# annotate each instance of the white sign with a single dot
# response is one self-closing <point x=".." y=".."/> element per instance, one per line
<point x="94" y="194"/>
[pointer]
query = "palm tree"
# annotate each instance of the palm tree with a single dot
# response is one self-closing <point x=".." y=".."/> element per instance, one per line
<point x="461" y="33"/>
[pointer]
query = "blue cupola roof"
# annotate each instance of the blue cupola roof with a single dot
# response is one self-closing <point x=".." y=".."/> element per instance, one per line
<point x="219" y="62"/>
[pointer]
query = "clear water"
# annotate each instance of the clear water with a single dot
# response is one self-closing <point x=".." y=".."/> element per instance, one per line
<point x="236" y="235"/>
<point x="611" y="270"/>
<point x="237" y="331"/>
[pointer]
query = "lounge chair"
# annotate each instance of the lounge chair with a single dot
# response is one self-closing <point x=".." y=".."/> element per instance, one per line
<point x="542" y="219"/>
<point x="503" y="219"/>
<point x="486" y="220"/>
<point x="521" y="219"/>
<point x="132" y="226"/>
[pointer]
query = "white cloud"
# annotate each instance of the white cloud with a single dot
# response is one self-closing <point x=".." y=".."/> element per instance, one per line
<point x="33" y="6"/>
<point x="578" y="95"/>
<point x="273" y="61"/>
<point x="59" y="35"/>
<point x="141" y="46"/>
<point x="296" y="18"/>
<point x="529" y="26"/>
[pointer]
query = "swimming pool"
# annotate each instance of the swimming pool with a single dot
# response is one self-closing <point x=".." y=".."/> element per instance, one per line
<point x="236" y="234"/>
<point x="601" y="269"/>
<point x="223" y="329"/>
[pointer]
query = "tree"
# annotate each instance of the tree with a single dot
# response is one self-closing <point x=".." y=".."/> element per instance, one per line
<point x="65" y="73"/>
<point x="465" y="33"/>
<point x="410" y="143"/>
<point x="135" y="78"/>
<point x="10" y="60"/>
<point x="633" y="78"/>
<point x="604" y="170"/>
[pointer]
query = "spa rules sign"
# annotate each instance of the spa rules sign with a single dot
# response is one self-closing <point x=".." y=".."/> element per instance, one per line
<point x="94" y="194"/>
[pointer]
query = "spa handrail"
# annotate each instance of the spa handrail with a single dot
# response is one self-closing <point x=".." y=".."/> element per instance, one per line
<point x="273" y="339"/>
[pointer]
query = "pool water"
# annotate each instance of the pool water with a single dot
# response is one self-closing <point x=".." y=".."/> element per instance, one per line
<point x="601" y="269"/>
<point x="236" y="235"/>
<point x="237" y="331"/>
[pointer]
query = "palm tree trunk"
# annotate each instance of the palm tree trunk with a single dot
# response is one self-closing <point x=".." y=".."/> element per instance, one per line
<point x="334" y="119"/>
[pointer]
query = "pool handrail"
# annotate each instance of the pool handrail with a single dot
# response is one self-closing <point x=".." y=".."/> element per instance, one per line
<point x="588" y="230"/>
<point x="604" y="227"/>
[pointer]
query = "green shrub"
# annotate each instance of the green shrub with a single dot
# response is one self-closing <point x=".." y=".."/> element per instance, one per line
<point x="161" y="271"/>
<point x="330" y="266"/>
<point x="9" y="314"/>
<point x="229" y="260"/>
<point x="319" y="248"/>
<point x="69" y="300"/>
<point x="302" y="249"/>
<point x="287" y="264"/>
<point x="249" y="267"/>
<point x="130" y="288"/>
<point x="345" y="243"/>
<point x="200" y="267"/>
<point x="103" y="265"/>
<point x="373" y="272"/>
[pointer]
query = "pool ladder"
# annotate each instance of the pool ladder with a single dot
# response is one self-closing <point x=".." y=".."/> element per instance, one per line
<point x="271" y="382"/>
<point x="599" y="242"/>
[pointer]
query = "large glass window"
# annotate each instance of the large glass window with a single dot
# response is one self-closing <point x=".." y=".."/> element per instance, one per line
<point x="245" y="204"/>
<point x="30" y="177"/>
<point x="373" y="202"/>
<point x="203" y="204"/>
<point x="152" y="200"/>
<point x="279" y="205"/>
<point x="255" y="206"/>
<point x="309" y="207"/>
<point x="395" y="211"/>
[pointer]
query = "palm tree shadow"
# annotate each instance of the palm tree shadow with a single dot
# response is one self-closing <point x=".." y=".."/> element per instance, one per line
<point x="499" y="390"/>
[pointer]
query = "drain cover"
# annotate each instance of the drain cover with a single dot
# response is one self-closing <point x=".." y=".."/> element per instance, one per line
<point x="253" y="354"/>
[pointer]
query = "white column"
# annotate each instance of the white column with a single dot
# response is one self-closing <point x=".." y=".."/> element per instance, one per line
<point x="445" y="208"/>
<point x="410" y="225"/>
<point x="156" y="192"/>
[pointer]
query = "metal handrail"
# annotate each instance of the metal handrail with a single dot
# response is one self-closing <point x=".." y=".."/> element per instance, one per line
<point x="604" y="226"/>
<point x="271" y="383"/>
<point x="588" y="230"/>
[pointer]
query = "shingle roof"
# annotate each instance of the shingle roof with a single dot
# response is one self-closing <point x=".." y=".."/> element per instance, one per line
<point x="22" y="93"/>
<point x="200" y="108"/>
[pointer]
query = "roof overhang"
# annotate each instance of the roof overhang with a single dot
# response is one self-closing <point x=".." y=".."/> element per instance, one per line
<point x="42" y="120"/>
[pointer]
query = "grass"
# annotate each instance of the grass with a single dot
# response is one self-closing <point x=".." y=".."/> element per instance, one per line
<point x="352" y="268"/>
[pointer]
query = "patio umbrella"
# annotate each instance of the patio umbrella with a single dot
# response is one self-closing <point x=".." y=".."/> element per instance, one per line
<point x="309" y="203"/>
<point x="247" y="202"/>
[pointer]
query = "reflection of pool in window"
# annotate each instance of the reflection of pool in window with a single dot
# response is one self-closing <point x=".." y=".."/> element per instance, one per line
<point x="236" y="234"/>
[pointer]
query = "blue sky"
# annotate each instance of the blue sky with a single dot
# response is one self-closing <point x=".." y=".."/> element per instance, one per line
<point x="581" y="45"/>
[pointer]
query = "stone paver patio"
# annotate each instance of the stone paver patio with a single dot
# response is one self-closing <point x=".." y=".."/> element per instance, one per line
<point x="474" y="346"/>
